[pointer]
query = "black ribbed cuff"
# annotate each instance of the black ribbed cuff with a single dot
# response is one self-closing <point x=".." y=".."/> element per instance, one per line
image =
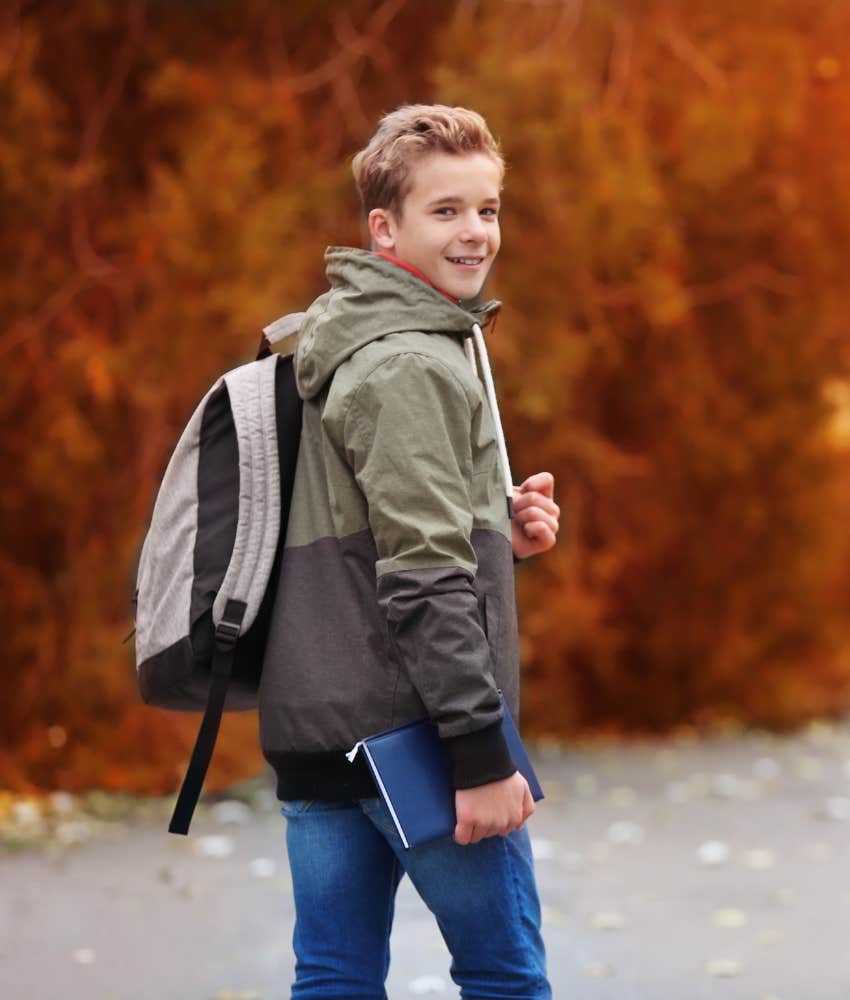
<point x="480" y="757"/>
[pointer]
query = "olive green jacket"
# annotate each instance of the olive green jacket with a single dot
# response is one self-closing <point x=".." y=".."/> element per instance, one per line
<point x="395" y="597"/>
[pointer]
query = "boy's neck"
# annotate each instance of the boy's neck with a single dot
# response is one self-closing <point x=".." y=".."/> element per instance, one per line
<point x="415" y="271"/>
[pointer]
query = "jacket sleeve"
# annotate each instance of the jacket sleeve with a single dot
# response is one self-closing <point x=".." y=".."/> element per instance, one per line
<point x="407" y="438"/>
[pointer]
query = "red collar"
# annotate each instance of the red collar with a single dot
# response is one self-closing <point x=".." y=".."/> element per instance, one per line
<point x="415" y="271"/>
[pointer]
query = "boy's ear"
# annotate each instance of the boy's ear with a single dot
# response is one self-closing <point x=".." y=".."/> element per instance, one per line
<point x="382" y="229"/>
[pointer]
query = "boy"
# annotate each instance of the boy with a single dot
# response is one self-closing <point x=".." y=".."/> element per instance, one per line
<point x="396" y="591"/>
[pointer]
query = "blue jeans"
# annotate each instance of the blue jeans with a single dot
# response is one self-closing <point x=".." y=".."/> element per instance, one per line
<point x="347" y="861"/>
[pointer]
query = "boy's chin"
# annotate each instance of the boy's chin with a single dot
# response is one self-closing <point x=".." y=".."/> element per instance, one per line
<point x="467" y="286"/>
<point x="469" y="295"/>
<point x="465" y="290"/>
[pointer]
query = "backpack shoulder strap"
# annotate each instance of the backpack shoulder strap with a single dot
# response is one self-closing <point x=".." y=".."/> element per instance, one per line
<point x="252" y="401"/>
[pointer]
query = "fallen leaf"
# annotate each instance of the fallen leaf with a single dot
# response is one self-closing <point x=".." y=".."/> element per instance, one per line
<point x="596" y="970"/>
<point x="608" y="920"/>
<point x="73" y="832"/>
<point x="838" y="808"/>
<point x="551" y="917"/>
<point x="809" y="768"/>
<point x="730" y="918"/>
<point x="730" y="786"/>
<point x="231" y="811"/>
<point x="622" y="796"/>
<point x="725" y="786"/>
<point x="176" y="879"/>
<point x="587" y="785"/>
<point x="625" y="832"/>
<point x="427" y="984"/>
<point x="713" y="852"/>
<point x="263" y="867"/>
<point x="214" y="846"/>
<point x="820" y="733"/>
<point x="760" y="858"/>
<point x="722" y="967"/>
<point x="26" y="812"/>
<point x="61" y="803"/>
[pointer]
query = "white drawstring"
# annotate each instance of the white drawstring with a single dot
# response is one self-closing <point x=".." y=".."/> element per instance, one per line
<point x="470" y="355"/>
<point x="494" y="407"/>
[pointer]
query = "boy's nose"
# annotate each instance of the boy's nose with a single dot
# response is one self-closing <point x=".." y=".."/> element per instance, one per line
<point x="473" y="229"/>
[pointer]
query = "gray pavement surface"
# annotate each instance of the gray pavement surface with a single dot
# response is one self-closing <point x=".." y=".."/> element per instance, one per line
<point x="668" y="871"/>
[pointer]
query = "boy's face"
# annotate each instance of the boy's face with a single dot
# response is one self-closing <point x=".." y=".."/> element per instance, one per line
<point x="449" y="224"/>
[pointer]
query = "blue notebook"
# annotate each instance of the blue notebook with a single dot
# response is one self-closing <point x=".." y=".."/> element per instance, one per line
<point x="413" y="774"/>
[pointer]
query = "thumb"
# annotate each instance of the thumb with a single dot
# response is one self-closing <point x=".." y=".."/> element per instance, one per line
<point x="527" y="803"/>
<point x="543" y="482"/>
<point x="463" y="833"/>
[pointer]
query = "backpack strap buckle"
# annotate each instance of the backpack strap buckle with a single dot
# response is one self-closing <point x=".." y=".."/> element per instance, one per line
<point x="226" y="634"/>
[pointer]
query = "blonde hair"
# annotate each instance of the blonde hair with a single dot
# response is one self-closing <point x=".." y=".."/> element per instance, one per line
<point x="382" y="169"/>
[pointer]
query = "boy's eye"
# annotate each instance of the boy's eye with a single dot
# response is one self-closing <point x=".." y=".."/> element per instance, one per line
<point x="447" y="209"/>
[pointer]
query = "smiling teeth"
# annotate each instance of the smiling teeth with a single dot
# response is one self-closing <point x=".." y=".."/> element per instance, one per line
<point x="466" y="260"/>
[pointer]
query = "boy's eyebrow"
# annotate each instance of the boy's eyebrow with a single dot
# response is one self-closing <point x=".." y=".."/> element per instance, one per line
<point x="450" y="199"/>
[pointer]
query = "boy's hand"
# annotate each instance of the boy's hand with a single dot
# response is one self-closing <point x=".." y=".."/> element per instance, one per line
<point x="492" y="810"/>
<point x="536" y="515"/>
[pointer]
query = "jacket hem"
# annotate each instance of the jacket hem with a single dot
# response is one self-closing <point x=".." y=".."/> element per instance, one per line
<point x="326" y="776"/>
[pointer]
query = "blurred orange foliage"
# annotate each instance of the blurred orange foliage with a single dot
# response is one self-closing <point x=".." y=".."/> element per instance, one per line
<point x="672" y="347"/>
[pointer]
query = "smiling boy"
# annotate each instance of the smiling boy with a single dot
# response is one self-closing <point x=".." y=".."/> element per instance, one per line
<point x="396" y="593"/>
<point x="448" y="224"/>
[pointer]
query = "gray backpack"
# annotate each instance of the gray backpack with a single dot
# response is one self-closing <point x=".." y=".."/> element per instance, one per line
<point x="209" y="562"/>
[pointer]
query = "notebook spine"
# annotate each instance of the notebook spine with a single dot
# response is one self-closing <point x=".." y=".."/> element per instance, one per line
<point x="376" y="774"/>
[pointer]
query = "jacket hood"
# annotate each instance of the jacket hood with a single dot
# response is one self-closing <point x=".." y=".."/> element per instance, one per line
<point x="369" y="298"/>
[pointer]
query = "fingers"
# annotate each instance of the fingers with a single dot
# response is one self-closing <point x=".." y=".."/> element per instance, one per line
<point x="536" y="512"/>
<point x="540" y="534"/>
<point x="543" y="482"/>
<point x="529" y="515"/>
<point x="534" y="498"/>
<point x="472" y="833"/>
<point x="490" y="810"/>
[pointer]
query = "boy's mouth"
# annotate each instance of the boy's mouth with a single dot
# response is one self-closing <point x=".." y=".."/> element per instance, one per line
<point x="466" y="261"/>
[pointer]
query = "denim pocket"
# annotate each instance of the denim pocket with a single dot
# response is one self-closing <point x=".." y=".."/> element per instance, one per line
<point x="294" y="807"/>
<point x="297" y="807"/>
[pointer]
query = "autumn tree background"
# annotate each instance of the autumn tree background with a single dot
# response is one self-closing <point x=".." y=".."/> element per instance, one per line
<point x="673" y="345"/>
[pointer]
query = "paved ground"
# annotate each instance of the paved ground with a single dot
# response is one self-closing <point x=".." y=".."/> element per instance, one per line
<point x="676" y="871"/>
